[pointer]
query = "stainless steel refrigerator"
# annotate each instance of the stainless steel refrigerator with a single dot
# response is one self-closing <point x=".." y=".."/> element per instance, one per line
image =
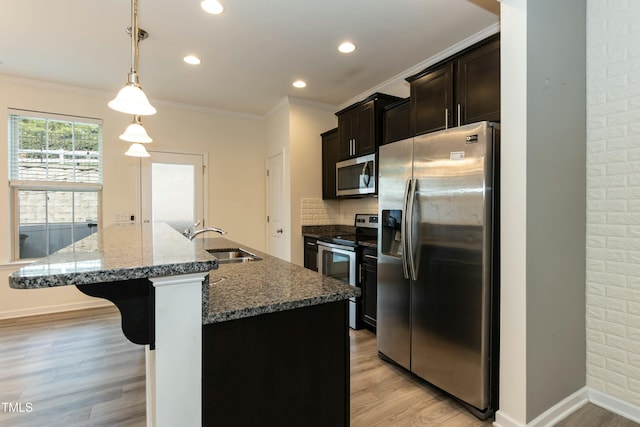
<point x="438" y="285"/>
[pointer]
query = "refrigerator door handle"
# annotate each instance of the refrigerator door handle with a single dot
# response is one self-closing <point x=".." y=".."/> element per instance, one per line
<point x="403" y="228"/>
<point x="410" y="252"/>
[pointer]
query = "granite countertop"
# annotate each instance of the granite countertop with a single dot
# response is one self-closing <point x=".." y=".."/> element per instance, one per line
<point x="129" y="251"/>
<point x="258" y="287"/>
<point x="327" y="230"/>
<point x="118" y="253"/>
<point x="319" y="231"/>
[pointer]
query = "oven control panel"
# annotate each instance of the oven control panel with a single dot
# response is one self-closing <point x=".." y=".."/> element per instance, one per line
<point x="366" y="220"/>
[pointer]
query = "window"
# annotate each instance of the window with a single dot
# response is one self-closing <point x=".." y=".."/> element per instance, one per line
<point x="55" y="175"/>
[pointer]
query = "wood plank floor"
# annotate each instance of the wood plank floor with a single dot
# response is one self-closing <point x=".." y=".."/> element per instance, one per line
<point x="77" y="369"/>
<point x="591" y="415"/>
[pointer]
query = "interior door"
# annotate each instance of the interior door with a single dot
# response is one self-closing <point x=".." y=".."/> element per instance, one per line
<point x="173" y="189"/>
<point x="275" y="210"/>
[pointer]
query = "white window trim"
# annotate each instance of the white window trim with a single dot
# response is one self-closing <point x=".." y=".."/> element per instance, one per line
<point x="54" y="185"/>
<point x="15" y="244"/>
<point x="52" y="116"/>
<point x="16" y="185"/>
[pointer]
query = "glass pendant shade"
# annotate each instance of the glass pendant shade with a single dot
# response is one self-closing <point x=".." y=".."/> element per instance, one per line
<point x="132" y="100"/>
<point x="135" y="132"/>
<point x="137" y="150"/>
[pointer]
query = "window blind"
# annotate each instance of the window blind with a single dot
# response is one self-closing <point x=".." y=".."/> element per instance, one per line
<point x="47" y="147"/>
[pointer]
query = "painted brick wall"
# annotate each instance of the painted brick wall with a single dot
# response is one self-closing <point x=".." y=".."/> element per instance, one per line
<point x="613" y="198"/>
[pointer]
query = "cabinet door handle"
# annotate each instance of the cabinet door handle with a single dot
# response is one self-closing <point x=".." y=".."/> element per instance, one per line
<point x="360" y="273"/>
<point x="354" y="146"/>
<point x="370" y="256"/>
<point x="446" y="118"/>
<point x="459" y="113"/>
<point x="311" y="244"/>
<point x="279" y="230"/>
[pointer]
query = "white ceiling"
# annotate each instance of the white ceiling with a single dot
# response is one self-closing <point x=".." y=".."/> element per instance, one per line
<point x="250" y="54"/>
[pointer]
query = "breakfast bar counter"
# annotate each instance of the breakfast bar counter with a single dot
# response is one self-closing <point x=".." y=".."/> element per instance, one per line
<point x="266" y="328"/>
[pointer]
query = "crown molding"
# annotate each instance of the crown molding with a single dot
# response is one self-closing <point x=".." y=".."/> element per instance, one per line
<point x="303" y="102"/>
<point x="42" y="84"/>
<point x="283" y="103"/>
<point x="399" y="78"/>
<point x="45" y="85"/>
<point x="396" y="80"/>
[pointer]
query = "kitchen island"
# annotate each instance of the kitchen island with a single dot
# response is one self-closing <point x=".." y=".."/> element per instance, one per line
<point x="265" y="340"/>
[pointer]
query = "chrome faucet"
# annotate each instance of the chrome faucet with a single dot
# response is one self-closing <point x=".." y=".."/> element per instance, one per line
<point x="192" y="234"/>
<point x="190" y="230"/>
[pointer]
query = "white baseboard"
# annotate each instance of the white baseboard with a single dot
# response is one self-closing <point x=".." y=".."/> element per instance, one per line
<point x="35" y="311"/>
<point x="562" y="409"/>
<point x="504" y="420"/>
<point x="552" y="415"/>
<point x="615" y="405"/>
<point x="571" y="404"/>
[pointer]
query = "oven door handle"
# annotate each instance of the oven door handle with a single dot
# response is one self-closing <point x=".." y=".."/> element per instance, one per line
<point x="335" y="247"/>
<point x="328" y="247"/>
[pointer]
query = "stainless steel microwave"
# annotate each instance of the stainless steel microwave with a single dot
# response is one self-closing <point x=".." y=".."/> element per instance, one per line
<point x="356" y="176"/>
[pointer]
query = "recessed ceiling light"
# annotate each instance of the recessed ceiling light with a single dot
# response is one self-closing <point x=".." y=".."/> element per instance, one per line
<point x="192" y="60"/>
<point x="347" y="47"/>
<point x="299" y="84"/>
<point x="212" y="6"/>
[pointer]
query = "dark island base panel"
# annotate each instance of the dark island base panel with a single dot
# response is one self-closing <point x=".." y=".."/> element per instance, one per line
<point x="289" y="368"/>
<point x="136" y="302"/>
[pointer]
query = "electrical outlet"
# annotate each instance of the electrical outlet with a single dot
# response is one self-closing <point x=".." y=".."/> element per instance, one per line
<point x="124" y="217"/>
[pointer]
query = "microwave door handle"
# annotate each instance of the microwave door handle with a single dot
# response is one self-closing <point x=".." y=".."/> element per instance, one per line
<point x="403" y="228"/>
<point x="366" y="173"/>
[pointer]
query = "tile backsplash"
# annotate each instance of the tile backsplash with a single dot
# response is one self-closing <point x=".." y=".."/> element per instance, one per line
<point x="315" y="211"/>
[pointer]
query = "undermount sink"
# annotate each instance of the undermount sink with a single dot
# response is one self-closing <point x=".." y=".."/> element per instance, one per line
<point x="228" y="256"/>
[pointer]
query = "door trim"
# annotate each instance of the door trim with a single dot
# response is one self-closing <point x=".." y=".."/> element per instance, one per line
<point x="145" y="163"/>
<point x="285" y="217"/>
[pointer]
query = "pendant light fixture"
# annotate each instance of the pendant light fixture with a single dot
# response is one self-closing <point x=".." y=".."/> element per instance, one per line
<point x="137" y="150"/>
<point x="131" y="99"/>
<point x="135" y="132"/>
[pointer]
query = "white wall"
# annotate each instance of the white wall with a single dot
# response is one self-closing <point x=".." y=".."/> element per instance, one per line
<point x="543" y="204"/>
<point x="236" y="152"/>
<point x="513" y="211"/>
<point x="307" y="123"/>
<point x="613" y="199"/>
<point x="278" y="137"/>
<point x="236" y="146"/>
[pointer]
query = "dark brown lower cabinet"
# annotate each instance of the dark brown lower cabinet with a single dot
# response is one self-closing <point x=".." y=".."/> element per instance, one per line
<point x="289" y="368"/>
<point x="369" y="286"/>
<point x="311" y="253"/>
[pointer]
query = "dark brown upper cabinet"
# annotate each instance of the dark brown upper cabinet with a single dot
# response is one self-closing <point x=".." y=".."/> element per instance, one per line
<point x="462" y="89"/>
<point x="396" y="124"/>
<point x="432" y="100"/>
<point x="330" y="151"/>
<point x="360" y="126"/>
<point x="478" y="84"/>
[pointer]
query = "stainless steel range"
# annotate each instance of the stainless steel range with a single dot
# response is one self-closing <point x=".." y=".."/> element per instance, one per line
<point x="337" y="257"/>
